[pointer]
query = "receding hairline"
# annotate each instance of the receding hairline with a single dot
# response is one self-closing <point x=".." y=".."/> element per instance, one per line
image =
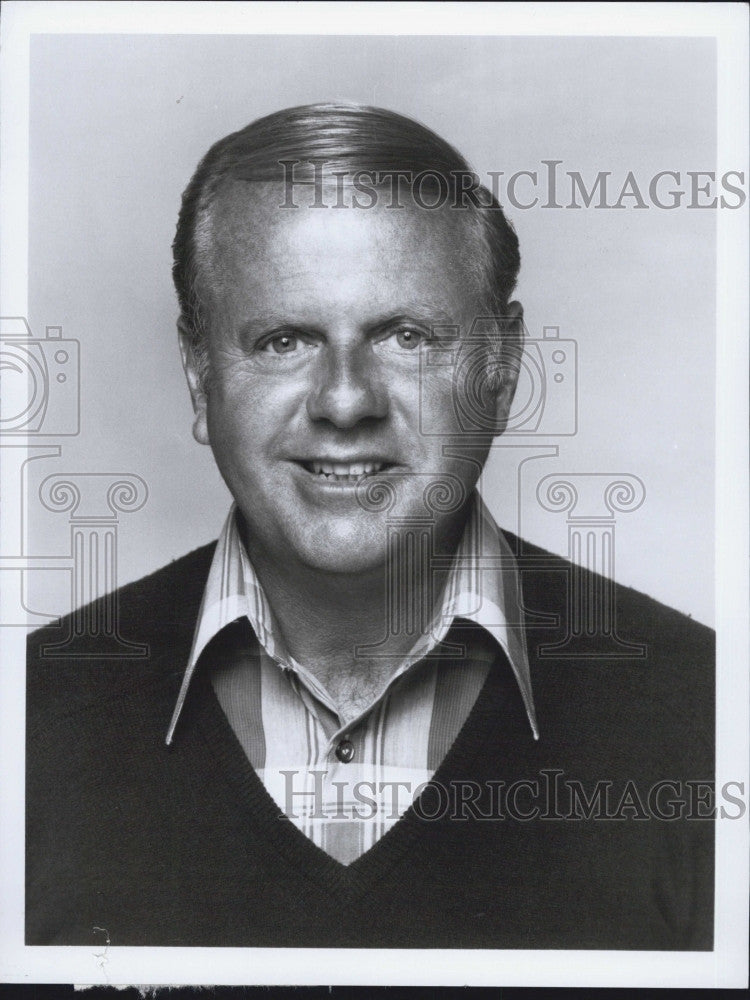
<point x="463" y="224"/>
<point x="344" y="136"/>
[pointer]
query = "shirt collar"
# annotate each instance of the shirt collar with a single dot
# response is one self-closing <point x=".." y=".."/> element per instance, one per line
<point x="483" y="586"/>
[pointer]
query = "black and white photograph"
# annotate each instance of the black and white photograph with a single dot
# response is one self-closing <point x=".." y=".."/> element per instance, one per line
<point x="374" y="469"/>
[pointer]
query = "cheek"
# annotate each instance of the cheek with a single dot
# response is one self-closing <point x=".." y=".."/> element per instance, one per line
<point x="438" y="409"/>
<point x="234" y="424"/>
<point x="462" y="399"/>
<point x="247" y="416"/>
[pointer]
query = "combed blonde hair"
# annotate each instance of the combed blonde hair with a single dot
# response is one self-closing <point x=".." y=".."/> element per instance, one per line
<point x="349" y="137"/>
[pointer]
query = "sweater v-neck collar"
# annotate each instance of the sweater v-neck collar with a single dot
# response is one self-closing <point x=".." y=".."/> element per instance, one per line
<point x="487" y="723"/>
<point x="233" y="591"/>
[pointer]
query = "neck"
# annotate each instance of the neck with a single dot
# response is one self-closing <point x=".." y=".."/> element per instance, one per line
<point x="345" y="628"/>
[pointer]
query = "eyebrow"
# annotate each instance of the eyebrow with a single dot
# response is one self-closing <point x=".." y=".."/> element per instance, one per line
<point x="421" y="313"/>
<point x="424" y="314"/>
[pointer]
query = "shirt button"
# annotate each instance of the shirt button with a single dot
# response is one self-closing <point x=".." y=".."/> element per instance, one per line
<point x="345" y="751"/>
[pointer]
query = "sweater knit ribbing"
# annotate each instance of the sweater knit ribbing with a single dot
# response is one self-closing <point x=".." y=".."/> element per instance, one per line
<point x="184" y="846"/>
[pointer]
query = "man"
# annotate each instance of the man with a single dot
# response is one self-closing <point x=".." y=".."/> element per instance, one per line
<point x="346" y="732"/>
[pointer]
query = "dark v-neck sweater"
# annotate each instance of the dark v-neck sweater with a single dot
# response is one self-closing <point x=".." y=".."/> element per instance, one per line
<point x="184" y="846"/>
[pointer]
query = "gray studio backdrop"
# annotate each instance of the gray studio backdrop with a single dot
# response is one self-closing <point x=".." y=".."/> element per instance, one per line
<point x="119" y="122"/>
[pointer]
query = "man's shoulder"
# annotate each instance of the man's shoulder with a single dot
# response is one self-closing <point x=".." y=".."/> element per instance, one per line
<point x="554" y="583"/>
<point x="173" y="591"/>
<point x="136" y="637"/>
<point x="614" y="668"/>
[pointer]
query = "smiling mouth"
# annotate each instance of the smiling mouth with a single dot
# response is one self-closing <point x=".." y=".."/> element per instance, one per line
<point x="344" y="472"/>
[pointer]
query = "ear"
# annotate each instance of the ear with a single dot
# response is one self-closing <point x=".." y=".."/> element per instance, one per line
<point x="195" y="383"/>
<point x="509" y="362"/>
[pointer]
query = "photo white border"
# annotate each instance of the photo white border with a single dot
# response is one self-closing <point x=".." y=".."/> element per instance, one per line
<point x="726" y="966"/>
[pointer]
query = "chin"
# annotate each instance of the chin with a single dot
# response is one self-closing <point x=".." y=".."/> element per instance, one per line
<point x="346" y="549"/>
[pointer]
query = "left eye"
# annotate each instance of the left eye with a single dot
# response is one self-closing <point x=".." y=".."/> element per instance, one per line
<point x="409" y="339"/>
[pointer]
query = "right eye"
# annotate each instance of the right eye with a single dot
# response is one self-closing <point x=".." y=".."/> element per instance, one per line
<point x="282" y="343"/>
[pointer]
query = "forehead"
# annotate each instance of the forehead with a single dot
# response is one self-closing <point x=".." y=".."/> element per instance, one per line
<point x="255" y="250"/>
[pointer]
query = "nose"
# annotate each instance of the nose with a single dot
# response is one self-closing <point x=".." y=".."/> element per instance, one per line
<point x="347" y="387"/>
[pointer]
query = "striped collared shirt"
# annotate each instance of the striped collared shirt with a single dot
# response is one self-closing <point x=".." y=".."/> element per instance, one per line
<point x="345" y="784"/>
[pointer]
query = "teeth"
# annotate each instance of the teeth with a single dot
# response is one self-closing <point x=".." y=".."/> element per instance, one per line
<point x="345" y="471"/>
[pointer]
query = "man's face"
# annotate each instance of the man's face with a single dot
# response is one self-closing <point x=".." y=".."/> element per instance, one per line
<point x="318" y="320"/>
